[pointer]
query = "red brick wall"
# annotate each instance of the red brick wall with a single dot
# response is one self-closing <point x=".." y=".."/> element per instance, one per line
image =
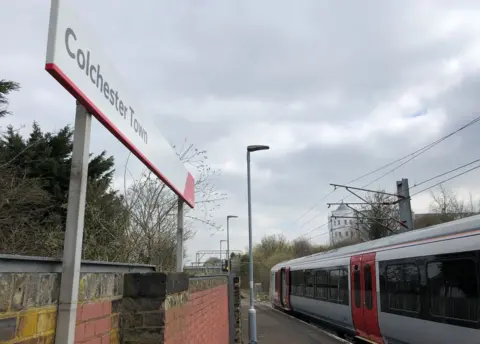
<point x="96" y="324"/>
<point x="203" y="319"/>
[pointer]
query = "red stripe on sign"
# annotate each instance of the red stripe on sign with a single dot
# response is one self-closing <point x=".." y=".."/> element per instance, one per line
<point x="189" y="193"/>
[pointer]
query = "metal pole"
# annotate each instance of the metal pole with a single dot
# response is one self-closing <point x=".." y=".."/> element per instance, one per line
<point x="180" y="236"/>
<point x="228" y="247"/>
<point x="221" y="250"/>
<point x="404" y="205"/>
<point x="72" y="247"/>
<point x="252" y="314"/>
<point x="228" y="242"/>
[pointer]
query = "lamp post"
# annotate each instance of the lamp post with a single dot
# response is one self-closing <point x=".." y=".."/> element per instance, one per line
<point x="221" y="249"/>
<point x="252" y="315"/>
<point x="228" y="241"/>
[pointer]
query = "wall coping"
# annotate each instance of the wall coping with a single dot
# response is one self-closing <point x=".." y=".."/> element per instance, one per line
<point x="207" y="277"/>
<point x="33" y="264"/>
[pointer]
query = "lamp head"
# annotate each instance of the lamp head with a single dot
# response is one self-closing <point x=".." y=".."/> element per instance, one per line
<point x="254" y="148"/>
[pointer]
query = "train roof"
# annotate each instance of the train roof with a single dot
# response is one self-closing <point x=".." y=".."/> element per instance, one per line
<point x="447" y="228"/>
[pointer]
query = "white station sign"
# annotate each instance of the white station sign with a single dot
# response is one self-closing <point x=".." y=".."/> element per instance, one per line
<point x="77" y="62"/>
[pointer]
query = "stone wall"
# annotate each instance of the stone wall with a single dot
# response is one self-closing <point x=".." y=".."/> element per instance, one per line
<point x="173" y="309"/>
<point x="237" y="299"/>
<point x="28" y="307"/>
<point x="97" y="318"/>
<point x="202" y="311"/>
<point x="143" y="305"/>
<point x="113" y="307"/>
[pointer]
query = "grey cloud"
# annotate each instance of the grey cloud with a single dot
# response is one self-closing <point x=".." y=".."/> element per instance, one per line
<point x="230" y="50"/>
<point x="275" y="53"/>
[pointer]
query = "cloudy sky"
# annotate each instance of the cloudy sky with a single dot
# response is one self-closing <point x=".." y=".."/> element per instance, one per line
<point x="336" y="88"/>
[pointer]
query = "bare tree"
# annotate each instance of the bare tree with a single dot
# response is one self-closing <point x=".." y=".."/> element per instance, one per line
<point x="152" y="224"/>
<point x="271" y="244"/>
<point x="207" y="195"/>
<point x="106" y="219"/>
<point x="378" y="219"/>
<point x="150" y="236"/>
<point x="445" y="207"/>
<point x="302" y="247"/>
<point x="449" y="206"/>
<point x="212" y="261"/>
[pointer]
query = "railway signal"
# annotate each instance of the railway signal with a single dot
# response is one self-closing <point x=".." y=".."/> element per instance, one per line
<point x="225" y="265"/>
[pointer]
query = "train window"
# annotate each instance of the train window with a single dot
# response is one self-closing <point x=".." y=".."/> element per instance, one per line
<point x="309" y="277"/>
<point x="309" y="283"/>
<point x="453" y="289"/>
<point x="367" y="271"/>
<point x="301" y="283"/>
<point x="356" y="287"/>
<point x="293" y="283"/>
<point x="343" y="287"/>
<point x="338" y="286"/>
<point x="402" y="287"/>
<point x="333" y="285"/>
<point x="297" y="283"/>
<point x="321" y="284"/>
<point x="321" y="277"/>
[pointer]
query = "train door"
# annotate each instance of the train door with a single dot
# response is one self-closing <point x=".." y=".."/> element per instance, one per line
<point x="273" y="286"/>
<point x="364" y="297"/>
<point x="287" y="288"/>
<point x="284" y="288"/>
<point x="278" y="287"/>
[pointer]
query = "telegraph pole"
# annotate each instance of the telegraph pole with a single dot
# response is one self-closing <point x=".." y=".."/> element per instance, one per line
<point x="404" y="206"/>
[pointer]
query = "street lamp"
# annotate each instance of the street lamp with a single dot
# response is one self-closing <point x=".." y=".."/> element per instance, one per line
<point x="221" y="249"/>
<point x="228" y="241"/>
<point x="252" y="315"/>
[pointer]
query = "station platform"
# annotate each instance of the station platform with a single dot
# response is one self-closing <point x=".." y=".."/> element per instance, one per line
<point x="276" y="327"/>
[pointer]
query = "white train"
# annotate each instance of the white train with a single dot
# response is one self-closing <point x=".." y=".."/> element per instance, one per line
<point x="418" y="287"/>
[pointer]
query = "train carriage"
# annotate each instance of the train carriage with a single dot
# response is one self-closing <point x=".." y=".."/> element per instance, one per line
<point x="420" y="286"/>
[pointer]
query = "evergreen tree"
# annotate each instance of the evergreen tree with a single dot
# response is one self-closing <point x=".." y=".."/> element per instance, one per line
<point x="5" y="88"/>
<point x="47" y="157"/>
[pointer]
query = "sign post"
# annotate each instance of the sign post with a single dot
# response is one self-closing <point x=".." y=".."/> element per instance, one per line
<point x="72" y="246"/>
<point x="180" y="236"/>
<point x="76" y="61"/>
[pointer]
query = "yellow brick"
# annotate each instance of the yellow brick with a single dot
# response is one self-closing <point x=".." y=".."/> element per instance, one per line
<point x="114" y="337"/>
<point x="50" y="339"/>
<point x="46" y="322"/>
<point x="81" y="288"/>
<point x="27" y="325"/>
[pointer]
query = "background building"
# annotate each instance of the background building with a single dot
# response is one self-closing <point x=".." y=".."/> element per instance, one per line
<point x="341" y="225"/>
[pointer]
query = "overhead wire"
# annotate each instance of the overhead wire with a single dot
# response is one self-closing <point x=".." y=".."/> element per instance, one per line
<point x="446" y="180"/>
<point x="444" y="173"/>
<point x="411" y="156"/>
<point x="420" y="151"/>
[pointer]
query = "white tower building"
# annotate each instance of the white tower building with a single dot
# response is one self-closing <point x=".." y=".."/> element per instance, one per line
<point x="341" y="224"/>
